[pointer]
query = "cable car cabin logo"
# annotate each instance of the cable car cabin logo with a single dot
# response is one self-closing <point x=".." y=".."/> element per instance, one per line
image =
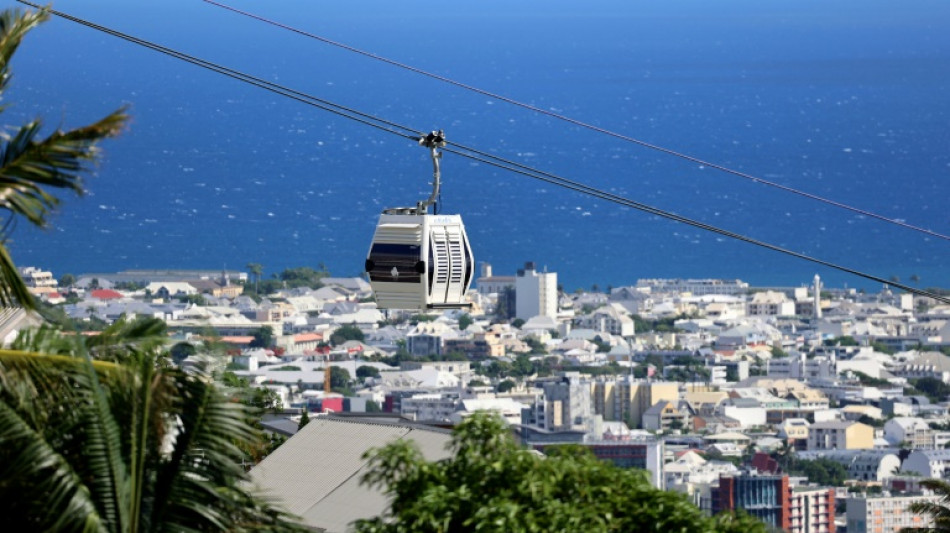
<point x="419" y="260"/>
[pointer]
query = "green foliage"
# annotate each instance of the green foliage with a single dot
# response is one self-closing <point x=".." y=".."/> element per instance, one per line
<point x="936" y="390"/>
<point x="824" y="472"/>
<point x="373" y="407"/>
<point x="662" y="325"/>
<point x="109" y="436"/>
<point x="347" y="333"/>
<point x="778" y="353"/>
<point x="465" y="321"/>
<point x="845" y="340"/>
<point x="304" y="420"/>
<point x="194" y="299"/>
<point x="302" y="277"/>
<point x="865" y="379"/>
<point x="489" y="484"/>
<point x="339" y="378"/>
<point x="286" y="368"/>
<point x="505" y="386"/>
<point x="477" y="383"/>
<point x="263" y="337"/>
<point x="366" y="371"/>
<point x="883" y="348"/>
<point x="517" y="323"/>
<point x="67" y="280"/>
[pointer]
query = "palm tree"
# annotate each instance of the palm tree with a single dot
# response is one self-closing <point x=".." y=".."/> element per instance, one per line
<point x="104" y="433"/>
<point x="107" y="435"/>
<point x="937" y="510"/>
<point x="30" y="164"/>
<point x="256" y="270"/>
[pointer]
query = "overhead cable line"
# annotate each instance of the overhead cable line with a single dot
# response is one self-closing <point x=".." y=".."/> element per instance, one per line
<point x="478" y="155"/>
<point x="326" y="105"/>
<point x="586" y="125"/>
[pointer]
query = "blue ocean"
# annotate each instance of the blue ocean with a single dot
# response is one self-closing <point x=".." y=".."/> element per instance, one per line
<point x="847" y="100"/>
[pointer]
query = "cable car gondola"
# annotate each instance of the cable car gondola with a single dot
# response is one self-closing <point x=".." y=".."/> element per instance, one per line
<point x="419" y="260"/>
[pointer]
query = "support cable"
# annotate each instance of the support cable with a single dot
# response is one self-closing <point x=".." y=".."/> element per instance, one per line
<point x="480" y="156"/>
<point x="586" y="125"/>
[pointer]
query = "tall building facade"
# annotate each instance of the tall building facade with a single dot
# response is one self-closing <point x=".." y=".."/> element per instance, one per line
<point x="767" y="498"/>
<point x="771" y="499"/>
<point x="885" y="514"/>
<point x="535" y="293"/>
<point x="627" y="399"/>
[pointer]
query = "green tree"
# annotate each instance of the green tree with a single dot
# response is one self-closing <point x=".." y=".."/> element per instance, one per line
<point x="263" y="337"/>
<point x="339" y="378"/>
<point x="104" y="433"/>
<point x="934" y="389"/>
<point x="465" y="320"/>
<point x="107" y="435"/>
<point x="256" y="270"/>
<point x="505" y="386"/>
<point x="347" y="333"/>
<point x="490" y="484"/>
<point x="366" y="371"/>
<point x="67" y="280"/>
<point x="304" y="420"/>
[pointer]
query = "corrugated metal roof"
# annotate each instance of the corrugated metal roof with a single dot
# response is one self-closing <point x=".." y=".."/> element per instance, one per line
<point x="316" y="473"/>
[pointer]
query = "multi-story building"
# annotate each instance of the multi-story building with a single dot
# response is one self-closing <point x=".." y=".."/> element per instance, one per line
<point x="428" y="338"/>
<point x="666" y="416"/>
<point x="627" y="399"/>
<point x="812" y="510"/>
<point x="766" y="497"/>
<point x="770" y="303"/>
<point x="566" y="405"/>
<point x="696" y="287"/>
<point x="38" y="281"/>
<point x="535" y="293"/>
<point x="840" y="435"/>
<point x="909" y="432"/>
<point x="884" y="514"/>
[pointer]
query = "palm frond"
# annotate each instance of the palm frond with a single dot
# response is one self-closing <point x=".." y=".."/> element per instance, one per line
<point x="13" y="290"/>
<point x="28" y="164"/>
<point x="14" y="24"/>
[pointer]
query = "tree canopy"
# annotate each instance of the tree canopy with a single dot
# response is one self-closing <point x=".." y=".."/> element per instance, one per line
<point x="490" y="484"/>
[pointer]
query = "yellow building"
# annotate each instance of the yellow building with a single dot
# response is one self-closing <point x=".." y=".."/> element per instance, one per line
<point x="838" y="435"/>
<point x="627" y="399"/>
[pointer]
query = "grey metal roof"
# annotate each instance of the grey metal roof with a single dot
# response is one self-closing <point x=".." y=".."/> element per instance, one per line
<point x="316" y="473"/>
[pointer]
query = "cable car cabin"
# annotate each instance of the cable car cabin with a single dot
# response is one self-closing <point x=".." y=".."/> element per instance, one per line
<point x="419" y="261"/>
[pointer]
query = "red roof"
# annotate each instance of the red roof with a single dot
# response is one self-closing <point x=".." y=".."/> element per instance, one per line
<point x="105" y="294"/>
<point x="308" y="337"/>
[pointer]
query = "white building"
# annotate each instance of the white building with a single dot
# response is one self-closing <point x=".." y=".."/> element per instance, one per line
<point x="913" y="432"/>
<point x="884" y="514"/>
<point x="696" y="287"/>
<point x="770" y="303"/>
<point x="535" y="293"/>
<point x="928" y="463"/>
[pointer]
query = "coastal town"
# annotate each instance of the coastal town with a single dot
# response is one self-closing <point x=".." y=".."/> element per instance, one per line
<point x="811" y="408"/>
